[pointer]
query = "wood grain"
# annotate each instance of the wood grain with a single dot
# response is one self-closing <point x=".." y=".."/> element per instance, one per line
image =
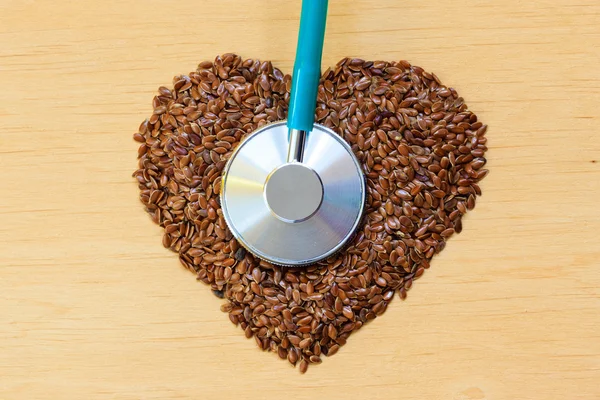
<point x="92" y="306"/>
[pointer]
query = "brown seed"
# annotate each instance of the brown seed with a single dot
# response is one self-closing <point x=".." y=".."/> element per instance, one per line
<point x="347" y="311"/>
<point x="293" y="356"/>
<point x="304" y="321"/>
<point x="338" y="305"/>
<point x="332" y="350"/>
<point x="315" y="359"/>
<point x="282" y="353"/>
<point x="303" y="366"/>
<point x="295" y="340"/>
<point x="332" y="331"/>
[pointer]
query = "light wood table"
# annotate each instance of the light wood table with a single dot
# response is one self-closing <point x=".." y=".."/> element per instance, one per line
<point x="92" y="306"/>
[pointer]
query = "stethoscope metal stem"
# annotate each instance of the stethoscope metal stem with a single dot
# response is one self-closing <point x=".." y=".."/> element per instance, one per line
<point x="297" y="140"/>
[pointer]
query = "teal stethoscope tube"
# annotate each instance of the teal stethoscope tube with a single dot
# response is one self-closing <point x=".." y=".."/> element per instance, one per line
<point x="307" y="66"/>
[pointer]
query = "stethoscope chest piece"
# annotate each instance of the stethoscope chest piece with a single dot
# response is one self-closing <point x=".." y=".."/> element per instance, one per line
<point x="287" y="211"/>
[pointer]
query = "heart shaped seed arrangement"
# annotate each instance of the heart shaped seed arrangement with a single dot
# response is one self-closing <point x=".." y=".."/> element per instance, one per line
<point x="421" y="151"/>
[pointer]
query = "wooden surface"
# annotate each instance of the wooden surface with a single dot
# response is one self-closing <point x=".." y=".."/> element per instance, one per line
<point x="92" y="306"/>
